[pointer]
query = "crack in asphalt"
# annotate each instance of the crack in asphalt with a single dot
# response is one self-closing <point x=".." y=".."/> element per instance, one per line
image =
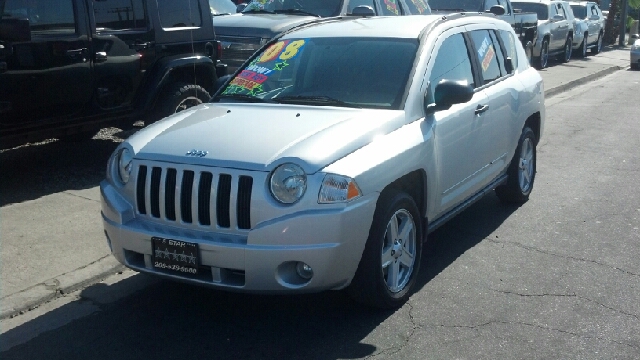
<point x="80" y="196"/>
<point x="526" y="247"/>
<point x="477" y="327"/>
<point x="570" y="295"/>
<point x="396" y="349"/>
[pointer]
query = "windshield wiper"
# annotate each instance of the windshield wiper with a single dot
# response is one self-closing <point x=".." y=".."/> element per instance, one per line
<point x="244" y="97"/>
<point x="313" y="100"/>
<point x="295" y="12"/>
<point x="254" y="10"/>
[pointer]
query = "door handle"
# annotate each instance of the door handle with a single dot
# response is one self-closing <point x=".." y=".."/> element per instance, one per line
<point x="137" y="46"/>
<point x="77" y="54"/>
<point x="101" y="57"/>
<point x="481" y="109"/>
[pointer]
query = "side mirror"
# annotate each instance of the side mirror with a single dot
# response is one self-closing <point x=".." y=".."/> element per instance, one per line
<point x="220" y="82"/>
<point x="497" y="10"/>
<point x="594" y="17"/>
<point x="240" y="7"/>
<point x="447" y="93"/>
<point x="363" y="10"/>
<point x="557" y="17"/>
<point x="15" y="30"/>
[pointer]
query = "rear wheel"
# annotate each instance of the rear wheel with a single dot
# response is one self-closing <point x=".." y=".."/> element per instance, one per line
<point x="178" y="97"/>
<point x="568" y="48"/>
<point x="521" y="172"/>
<point x="583" y="47"/>
<point x="596" y="49"/>
<point x="543" y="60"/>
<point x="391" y="259"/>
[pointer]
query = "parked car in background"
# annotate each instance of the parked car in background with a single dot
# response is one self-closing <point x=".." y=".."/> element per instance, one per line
<point x="71" y="67"/>
<point x="242" y="34"/>
<point x="555" y="30"/>
<point x="635" y="53"/>
<point x="525" y="24"/>
<point x="579" y="29"/>
<point x="590" y="13"/>
<point x="329" y="156"/>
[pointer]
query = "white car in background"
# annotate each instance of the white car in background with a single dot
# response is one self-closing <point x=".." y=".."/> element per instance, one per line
<point x="589" y="12"/>
<point x="635" y="53"/>
<point x="330" y="155"/>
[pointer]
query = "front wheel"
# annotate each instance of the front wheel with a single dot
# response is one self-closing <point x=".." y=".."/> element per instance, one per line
<point x="521" y="172"/>
<point x="391" y="259"/>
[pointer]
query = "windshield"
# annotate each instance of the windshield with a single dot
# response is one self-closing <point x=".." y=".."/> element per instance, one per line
<point x="351" y="72"/>
<point x="322" y="8"/>
<point x="540" y="9"/>
<point x="579" y="11"/>
<point x="461" y="5"/>
<point x="219" y="7"/>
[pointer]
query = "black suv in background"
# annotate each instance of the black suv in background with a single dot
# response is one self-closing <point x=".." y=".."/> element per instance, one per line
<point x="71" y="67"/>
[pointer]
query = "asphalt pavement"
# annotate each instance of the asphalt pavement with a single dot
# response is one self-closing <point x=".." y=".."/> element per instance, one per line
<point x="52" y="242"/>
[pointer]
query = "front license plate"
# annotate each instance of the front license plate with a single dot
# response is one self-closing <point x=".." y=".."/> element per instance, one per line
<point x="175" y="255"/>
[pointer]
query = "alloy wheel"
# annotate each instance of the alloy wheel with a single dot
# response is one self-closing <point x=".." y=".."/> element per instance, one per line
<point x="526" y="165"/>
<point x="399" y="251"/>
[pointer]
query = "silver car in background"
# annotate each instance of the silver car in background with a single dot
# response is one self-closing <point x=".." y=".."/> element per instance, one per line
<point x="590" y="13"/>
<point x="555" y="30"/>
<point x="325" y="161"/>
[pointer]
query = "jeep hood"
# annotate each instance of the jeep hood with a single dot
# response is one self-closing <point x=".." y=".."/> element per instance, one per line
<point x="259" y="137"/>
<point x="257" y="25"/>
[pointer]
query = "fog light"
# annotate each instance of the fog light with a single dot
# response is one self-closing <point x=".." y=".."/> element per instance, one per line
<point x="305" y="271"/>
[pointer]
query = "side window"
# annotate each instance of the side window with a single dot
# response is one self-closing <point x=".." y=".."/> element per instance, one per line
<point x="486" y="53"/>
<point x="418" y="6"/>
<point x="390" y="8"/>
<point x="561" y="10"/>
<point x="505" y="5"/>
<point x="451" y="62"/>
<point x="553" y="12"/>
<point x="114" y="15"/>
<point x="43" y="15"/>
<point x="174" y="14"/>
<point x="509" y="42"/>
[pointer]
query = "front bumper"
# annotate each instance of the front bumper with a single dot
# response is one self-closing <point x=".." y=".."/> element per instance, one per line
<point x="261" y="259"/>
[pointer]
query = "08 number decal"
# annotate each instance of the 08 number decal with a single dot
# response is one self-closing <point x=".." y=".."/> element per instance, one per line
<point x="291" y="50"/>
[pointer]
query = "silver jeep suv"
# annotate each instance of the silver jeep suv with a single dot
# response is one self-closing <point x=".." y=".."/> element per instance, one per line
<point x="328" y="158"/>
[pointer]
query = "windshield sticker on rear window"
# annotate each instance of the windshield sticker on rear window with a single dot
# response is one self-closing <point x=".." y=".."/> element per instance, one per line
<point x="421" y="5"/>
<point x="392" y="6"/>
<point x="272" y="61"/>
<point x="483" y="48"/>
<point x="259" y="4"/>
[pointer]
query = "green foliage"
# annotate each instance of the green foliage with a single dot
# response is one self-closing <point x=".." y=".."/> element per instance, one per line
<point x="634" y="4"/>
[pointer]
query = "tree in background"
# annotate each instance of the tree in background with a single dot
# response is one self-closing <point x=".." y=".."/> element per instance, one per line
<point x="611" y="33"/>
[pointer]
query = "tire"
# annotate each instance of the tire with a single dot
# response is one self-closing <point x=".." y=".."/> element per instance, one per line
<point x="543" y="60"/>
<point x="387" y="253"/>
<point x="178" y="97"/>
<point x="568" y="49"/>
<point x="583" y="47"/>
<point x="521" y="172"/>
<point x="598" y="48"/>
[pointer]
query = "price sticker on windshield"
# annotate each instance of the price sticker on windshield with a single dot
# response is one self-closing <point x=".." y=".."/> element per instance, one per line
<point x="282" y="50"/>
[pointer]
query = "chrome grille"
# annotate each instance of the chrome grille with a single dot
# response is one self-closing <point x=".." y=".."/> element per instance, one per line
<point x="194" y="197"/>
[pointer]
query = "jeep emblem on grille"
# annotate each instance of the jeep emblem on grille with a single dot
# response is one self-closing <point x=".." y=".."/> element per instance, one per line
<point x="196" y="153"/>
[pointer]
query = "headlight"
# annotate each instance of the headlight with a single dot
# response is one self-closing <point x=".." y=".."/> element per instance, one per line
<point x="336" y="188"/>
<point x="288" y="183"/>
<point x="123" y="159"/>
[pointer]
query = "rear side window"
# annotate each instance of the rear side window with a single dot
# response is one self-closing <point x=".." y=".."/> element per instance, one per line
<point x="509" y="42"/>
<point x="44" y="15"/>
<point x="452" y="62"/>
<point x="486" y="54"/>
<point x="115" y="15"/>
<point x="183" y="13"/>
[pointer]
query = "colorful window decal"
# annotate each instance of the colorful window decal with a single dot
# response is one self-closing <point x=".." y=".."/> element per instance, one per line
<point x="392" y="6"/>
<point x="486" y="62"/>
<point x="421" y="5"/>
<point x="273" y="60"/>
